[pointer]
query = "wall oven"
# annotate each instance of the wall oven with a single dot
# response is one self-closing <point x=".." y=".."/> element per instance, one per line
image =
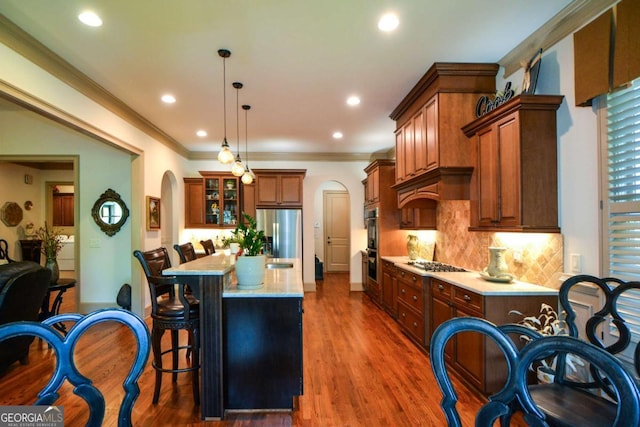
<point x="371" y="219"/>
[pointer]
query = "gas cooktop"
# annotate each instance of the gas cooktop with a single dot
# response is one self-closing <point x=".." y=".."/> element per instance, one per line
<point x="435" y="266"/>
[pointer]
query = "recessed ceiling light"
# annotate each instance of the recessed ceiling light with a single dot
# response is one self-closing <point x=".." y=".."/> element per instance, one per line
<point x="353" y="100"/>
<point x="168" y="98"/>
<point x="201" y="133"/>
<point x="388" y="22"/>
<point x="337" y="135"/>
<point x="90" y="18"/>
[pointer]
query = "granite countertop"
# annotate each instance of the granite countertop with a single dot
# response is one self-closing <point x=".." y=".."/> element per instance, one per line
<point x="472" y="281"/>
<point x="278" y="283"/>
<point x="217" y="264"/>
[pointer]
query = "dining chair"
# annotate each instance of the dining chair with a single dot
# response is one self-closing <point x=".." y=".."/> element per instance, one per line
<point x="209" y="247"/>
<point x="516" y="395"/>
<point x="65" y="369"/>
<point x="171" y="309"/>
<point x="186" y="252"/>
<point x="610" y="315"/>
<point x="4" y="251"/>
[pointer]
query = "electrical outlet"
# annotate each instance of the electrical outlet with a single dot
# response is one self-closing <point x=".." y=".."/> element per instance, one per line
<point x="576" y="263"/>
<point x="517" y="256"/>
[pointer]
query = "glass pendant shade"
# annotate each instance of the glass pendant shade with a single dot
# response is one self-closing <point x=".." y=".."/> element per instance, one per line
<point x="225" y="156"/>
<point x="247" y="177"/>
<point x="238" y="168"/>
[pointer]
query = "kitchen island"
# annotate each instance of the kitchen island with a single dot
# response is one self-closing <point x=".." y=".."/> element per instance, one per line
<point x="226" y="321"/>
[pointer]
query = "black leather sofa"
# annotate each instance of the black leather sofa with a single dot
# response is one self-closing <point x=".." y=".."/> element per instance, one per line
<point x="23" y="286"/>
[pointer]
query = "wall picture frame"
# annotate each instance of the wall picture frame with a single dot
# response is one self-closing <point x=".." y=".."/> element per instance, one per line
<point x="153" y="213"/>
<point x="531" y="71"/>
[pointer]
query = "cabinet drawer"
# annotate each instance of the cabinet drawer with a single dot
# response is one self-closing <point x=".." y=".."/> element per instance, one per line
<point x="411" y="322"/>
<point x="467" y="300"/>
<point x="411" y="295"/>
<point x="440" y="289"/>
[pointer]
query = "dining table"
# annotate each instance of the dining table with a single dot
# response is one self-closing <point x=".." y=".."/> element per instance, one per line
<point x="207" y="277"/>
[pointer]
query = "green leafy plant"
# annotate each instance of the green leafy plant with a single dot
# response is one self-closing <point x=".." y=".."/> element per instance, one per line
<point x="51" y="240"/>
<point x="250" y="238"/>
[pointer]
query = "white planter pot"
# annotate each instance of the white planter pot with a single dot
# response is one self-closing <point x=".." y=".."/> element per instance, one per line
<point x="250" y="271"/>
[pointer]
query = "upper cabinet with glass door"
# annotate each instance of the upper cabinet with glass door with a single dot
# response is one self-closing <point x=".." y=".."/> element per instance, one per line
<point x="212" y="201"/>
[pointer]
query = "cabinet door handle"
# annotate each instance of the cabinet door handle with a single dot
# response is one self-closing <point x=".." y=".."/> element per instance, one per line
<point x="415" y="325"/>
<point x="414" y="278"/>
<point x="404" y="315"/>
<point x="403" y="291"/>
<point x="440" y="288"/>
<point x="415" y="298"/>
<point x="467" y="298"/>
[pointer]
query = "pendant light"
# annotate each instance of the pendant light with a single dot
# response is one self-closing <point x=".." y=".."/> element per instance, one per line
<point x="225" y="156"/>
<point x="248" y="176"/>
<point x="237" y="169"/>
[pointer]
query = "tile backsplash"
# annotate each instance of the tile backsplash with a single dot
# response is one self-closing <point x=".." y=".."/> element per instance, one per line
<point x="540" y="255"/>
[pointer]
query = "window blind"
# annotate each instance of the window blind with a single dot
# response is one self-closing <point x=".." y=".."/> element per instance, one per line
<point x="621" y="207"/>
<point x="623" y="201"/>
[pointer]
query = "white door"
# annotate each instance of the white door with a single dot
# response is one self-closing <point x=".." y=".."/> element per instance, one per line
<point x="337" y="229"/>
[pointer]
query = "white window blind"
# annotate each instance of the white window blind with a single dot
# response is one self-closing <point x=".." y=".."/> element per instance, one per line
<point x="621" y="204"/>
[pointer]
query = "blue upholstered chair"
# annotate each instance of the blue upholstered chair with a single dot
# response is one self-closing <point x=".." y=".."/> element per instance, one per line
<point x="516" y="394"/>
<point x="65" y="368"/>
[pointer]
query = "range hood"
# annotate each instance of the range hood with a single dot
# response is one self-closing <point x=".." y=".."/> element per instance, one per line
<point x="445" y="183"/>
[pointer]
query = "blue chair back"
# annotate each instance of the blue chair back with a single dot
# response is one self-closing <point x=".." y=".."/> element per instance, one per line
<point x="515" y="394"/>
<point x="64" y="347"/>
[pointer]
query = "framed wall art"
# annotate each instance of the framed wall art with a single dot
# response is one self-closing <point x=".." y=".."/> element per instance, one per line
<point x="531" y="71"/>
<point x="153" y="213"/>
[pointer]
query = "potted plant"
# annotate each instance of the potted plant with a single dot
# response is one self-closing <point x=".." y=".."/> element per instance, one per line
<point x="250" y="265"/>
<point x="547" y="322"/>
<point x="51" y="245"/>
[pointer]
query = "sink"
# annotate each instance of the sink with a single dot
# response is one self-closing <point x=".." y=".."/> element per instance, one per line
<point x="279" y="265"/>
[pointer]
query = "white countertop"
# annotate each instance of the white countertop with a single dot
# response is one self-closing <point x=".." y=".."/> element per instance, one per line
<point x="278" y="283"/>
<point x="472" y="281"/>
<point x="217" y="264"/>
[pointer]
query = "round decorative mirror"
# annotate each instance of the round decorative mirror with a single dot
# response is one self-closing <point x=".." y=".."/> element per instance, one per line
<point x="110" y="212"/>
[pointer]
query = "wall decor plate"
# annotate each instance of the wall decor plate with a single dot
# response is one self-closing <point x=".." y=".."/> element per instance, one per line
<point x="11" y="214"/>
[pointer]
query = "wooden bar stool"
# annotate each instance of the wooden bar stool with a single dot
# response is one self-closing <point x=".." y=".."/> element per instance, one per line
<point x="171" y="309"/>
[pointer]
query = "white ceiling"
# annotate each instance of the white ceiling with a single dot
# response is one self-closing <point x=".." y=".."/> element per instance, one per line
<point x="298" y="60"/>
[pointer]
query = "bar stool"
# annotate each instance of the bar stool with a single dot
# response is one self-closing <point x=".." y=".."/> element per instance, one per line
<point x="171" y="309"/>
<point x="208" y="246"/>
<point x="186" y="252"/>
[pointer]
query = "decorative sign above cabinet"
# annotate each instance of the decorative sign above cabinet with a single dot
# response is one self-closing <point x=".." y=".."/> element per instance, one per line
<point x="486" y="105"/>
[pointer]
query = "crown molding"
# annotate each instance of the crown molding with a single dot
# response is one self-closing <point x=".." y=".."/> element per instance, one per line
<point x="289" y="157"/>
<point x="38" y="106"/>
<point x="564" y="23"/>
<point x="27" y="46"/>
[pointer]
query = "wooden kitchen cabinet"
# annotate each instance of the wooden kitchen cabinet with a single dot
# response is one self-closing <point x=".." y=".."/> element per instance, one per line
<point x="412" y="294"/>
<point x="474" y="357"/>
<point x="430" y="149"/>
<point x="279" y="188"/>
<point x="63" y="209"/>
<point x="212" y="201"/>
<point x="420" y="216"/>
<point x="389" y="288"/>
<point x="514" y="186"/>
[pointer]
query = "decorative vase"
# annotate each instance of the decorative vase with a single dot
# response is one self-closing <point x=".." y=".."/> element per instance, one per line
<point x="497" y="264"/>
<point x="52" y="265"/>
<point x="412" y="246"/>
<point x="250" y="271"/>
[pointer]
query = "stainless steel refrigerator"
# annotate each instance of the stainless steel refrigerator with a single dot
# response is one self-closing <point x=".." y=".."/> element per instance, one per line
<point x="283" y="232"/>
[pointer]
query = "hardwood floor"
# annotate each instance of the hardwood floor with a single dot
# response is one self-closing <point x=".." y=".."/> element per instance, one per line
<point x="359" y="370"/>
